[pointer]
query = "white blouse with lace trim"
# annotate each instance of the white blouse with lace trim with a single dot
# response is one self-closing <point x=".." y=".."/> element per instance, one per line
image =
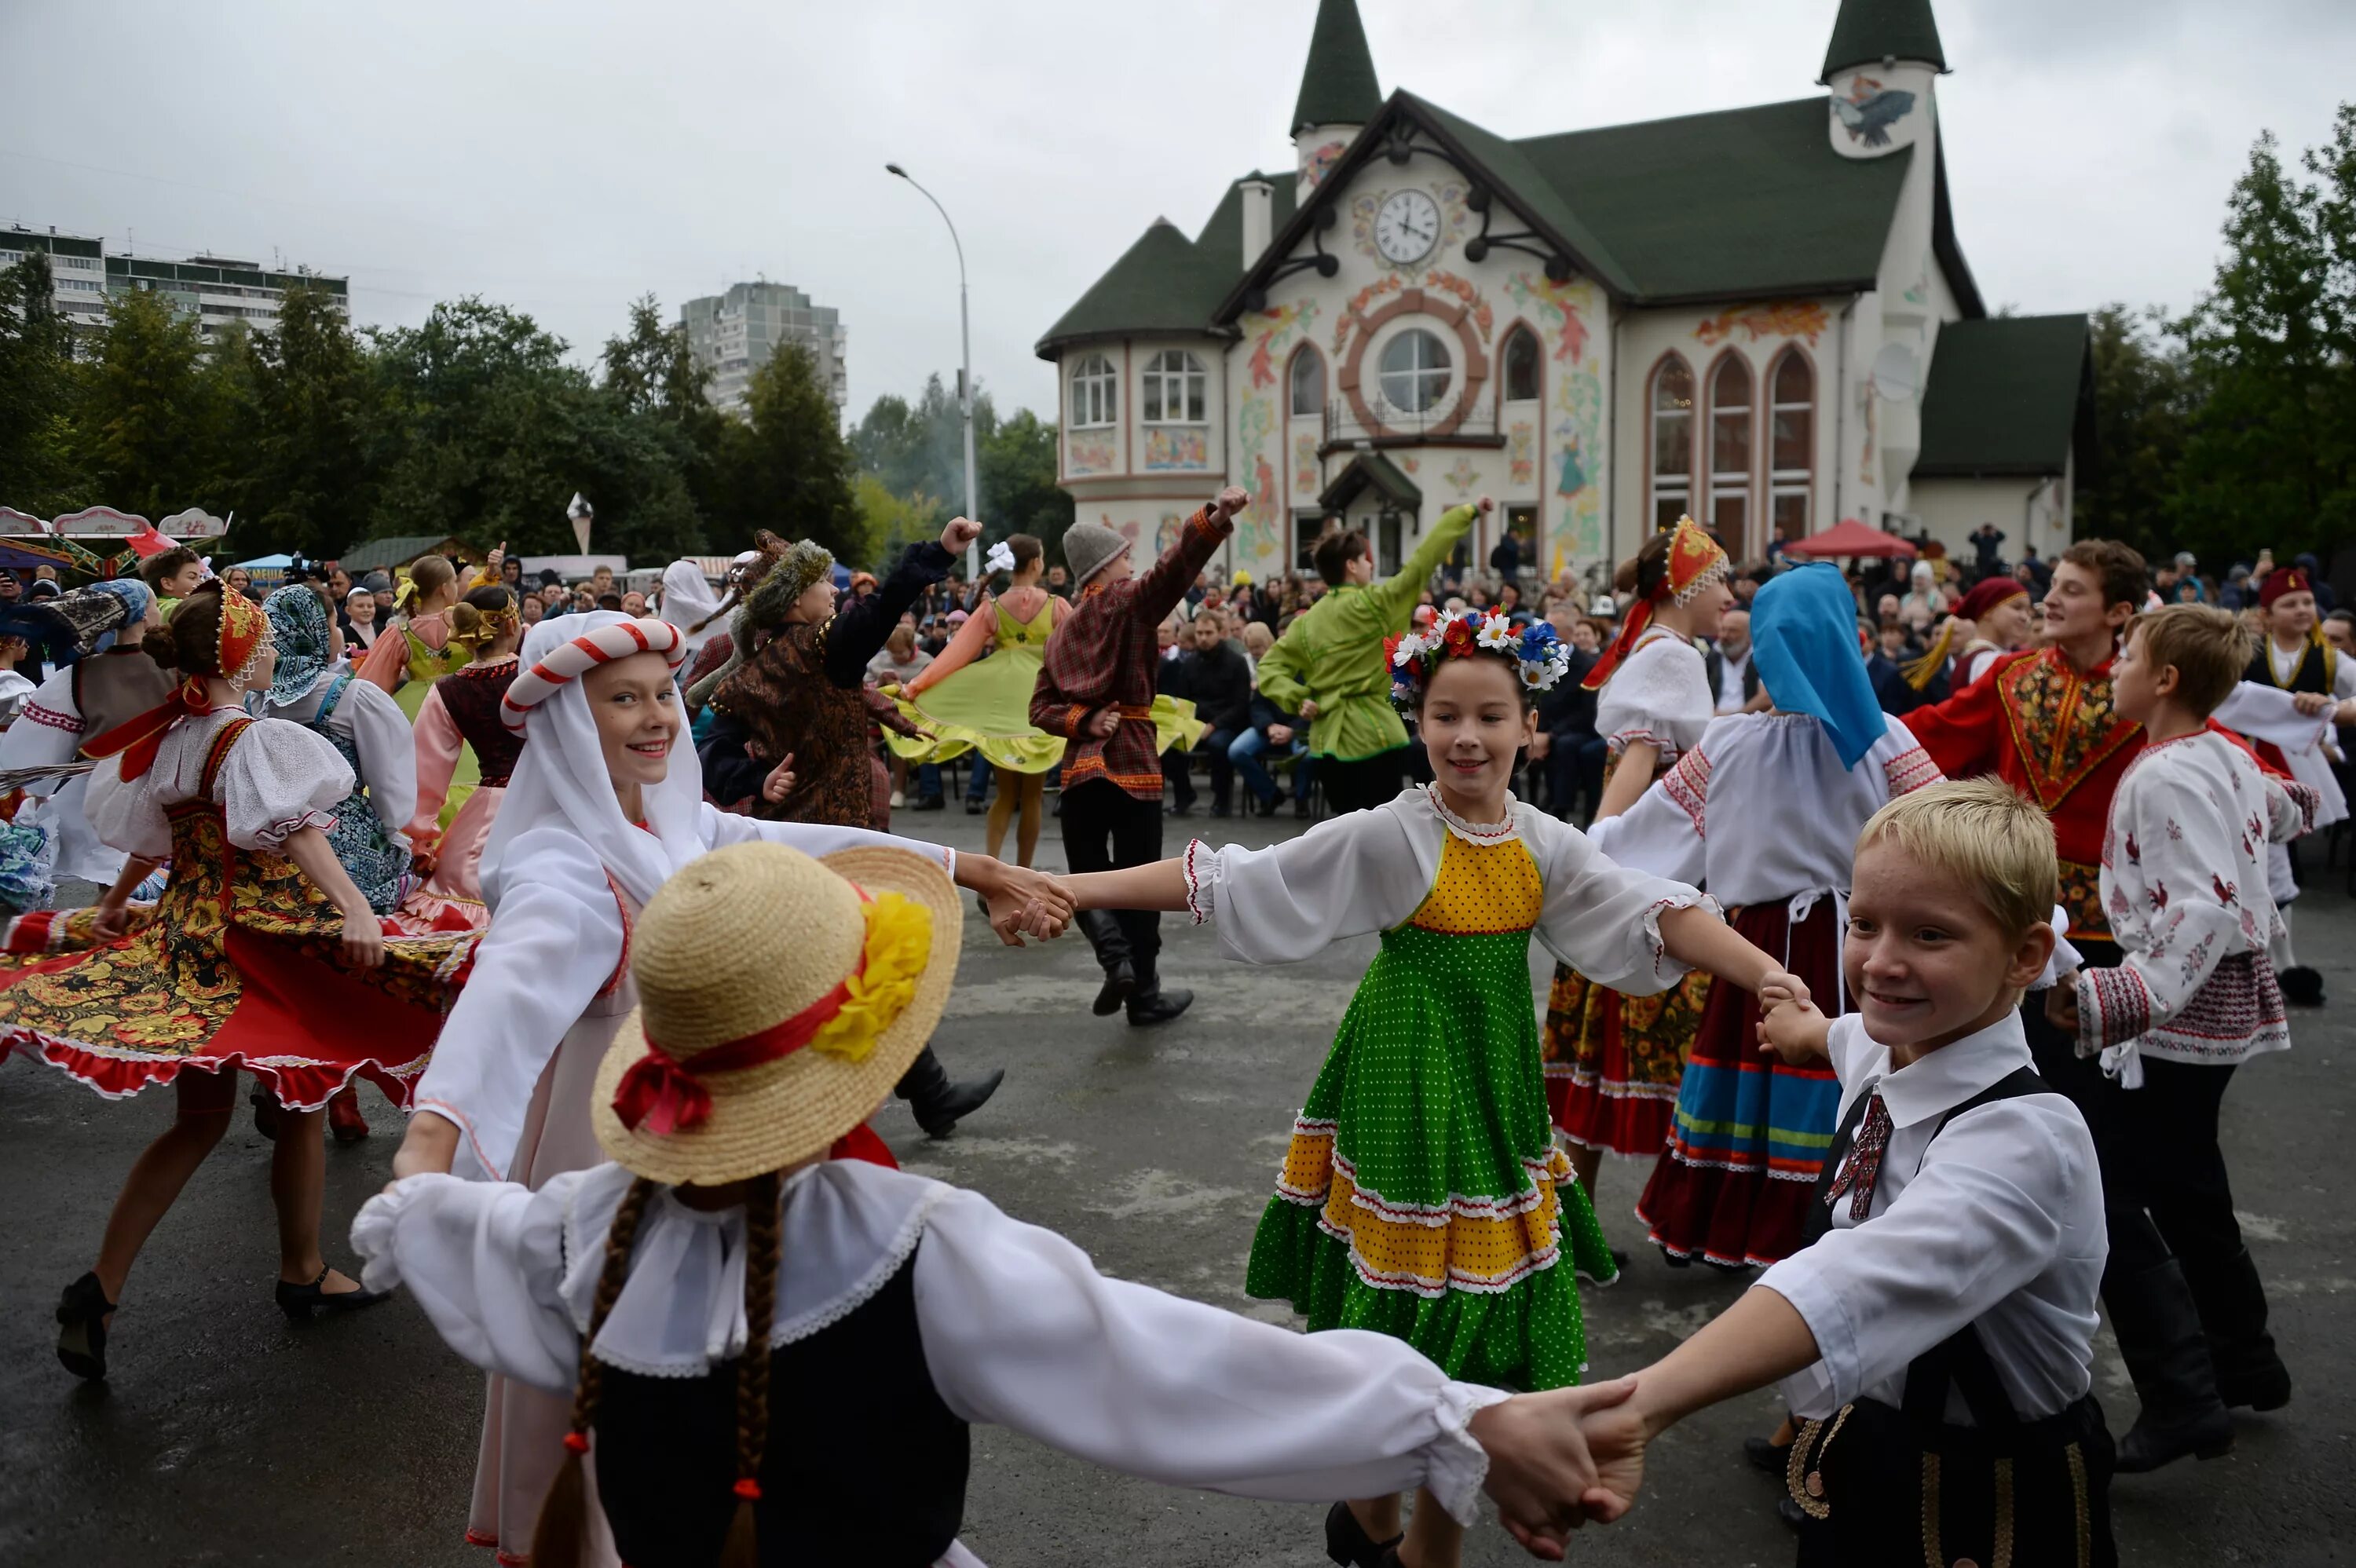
<point x="379" y="731"/>
<point x="278" y="777"/>
<point x="1370" y="870"/>
<point x="1019" y="1328"/>
<point x="1659" y="693"/>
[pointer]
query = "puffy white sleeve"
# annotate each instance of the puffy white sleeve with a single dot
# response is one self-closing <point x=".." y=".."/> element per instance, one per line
<point x="721" y="828"/>
<point x="1662" y="833"/>
<point x="1352" y="874"/>
<point x="280" y="777"/>
<point x="485" y="1259"/>
<point x="1660" y="695"/>
<point x="2181" y="845"/>
<point x="1020" y="1331"/>
<point x="126" y="813"/>
<point x="48" y="731"/>
<point x="387" y="747"/>
<point x="1601" y="918"/>
<point x="553" y="942"/>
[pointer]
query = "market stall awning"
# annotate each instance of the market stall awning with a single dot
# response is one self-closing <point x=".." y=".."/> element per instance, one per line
<point x="1850" y="536"/>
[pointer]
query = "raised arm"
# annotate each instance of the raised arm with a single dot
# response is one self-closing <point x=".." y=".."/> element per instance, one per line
<point x="1165" y="583"/>
<point x="1397" y="594"/>
<point x="862" y="623"/>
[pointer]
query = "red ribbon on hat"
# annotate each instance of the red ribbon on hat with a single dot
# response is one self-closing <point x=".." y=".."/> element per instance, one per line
<point x="662" y="1094"/>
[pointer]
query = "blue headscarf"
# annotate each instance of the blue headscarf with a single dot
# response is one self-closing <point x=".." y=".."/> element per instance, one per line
<point x="1804" y="641"/>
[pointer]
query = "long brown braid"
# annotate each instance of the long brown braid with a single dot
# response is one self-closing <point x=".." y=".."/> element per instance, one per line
<point x="560" y="1537"/>
<point x="741" y="1549"/>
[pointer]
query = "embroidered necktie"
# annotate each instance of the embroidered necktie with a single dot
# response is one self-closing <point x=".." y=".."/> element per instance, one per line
<point x="1863" y="1167"/>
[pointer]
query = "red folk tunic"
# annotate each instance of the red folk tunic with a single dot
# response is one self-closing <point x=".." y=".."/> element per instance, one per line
<point x="2051" y="732"/>
<point x="1102" y="655"/>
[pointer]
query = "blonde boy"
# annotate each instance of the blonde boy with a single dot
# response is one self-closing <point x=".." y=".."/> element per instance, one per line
<point x="1938" y="1331"/>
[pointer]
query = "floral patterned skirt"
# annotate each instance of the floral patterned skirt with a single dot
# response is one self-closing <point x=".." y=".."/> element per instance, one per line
<point x="1614" y="1062"/>
<point x="240" y="965"/>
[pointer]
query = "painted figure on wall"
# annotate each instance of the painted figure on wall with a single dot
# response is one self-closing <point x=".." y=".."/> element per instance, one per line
<point x="1870" y="109"/>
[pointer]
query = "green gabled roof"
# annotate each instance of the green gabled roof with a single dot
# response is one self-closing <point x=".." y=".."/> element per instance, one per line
<point x="2007" y="396"/>
<point x="399" y="550"/>
<point x="1867" y="32"/>
<point x="1167" y="282"/>
<point x="1739" y="202"/>
<point x="1337" y="85"/>
<point x="1523" y="183"/>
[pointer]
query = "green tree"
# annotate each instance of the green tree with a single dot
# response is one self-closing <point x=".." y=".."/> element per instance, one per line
<point x="39" y="473"/>
<point x="2143" y="400"/>
<point x="788" y="466"/>
<point x="304" y="425"/>
<point x="2267" y="459"/>
<point x="148" y="413"/>
<point x="1019" y="495"/>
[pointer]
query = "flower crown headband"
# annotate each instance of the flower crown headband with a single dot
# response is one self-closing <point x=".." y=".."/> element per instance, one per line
<point x="1539" y="656"/>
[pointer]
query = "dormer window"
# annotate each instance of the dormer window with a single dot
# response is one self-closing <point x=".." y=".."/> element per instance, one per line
<point x="1174" y="388"/>
<point x="1096" y="392"/>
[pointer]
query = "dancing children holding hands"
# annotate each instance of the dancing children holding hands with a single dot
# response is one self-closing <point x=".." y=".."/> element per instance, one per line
<point x="1423" y="1196"/>
<point x="1936" y="1336"/>
<point x="776" y="1357"/>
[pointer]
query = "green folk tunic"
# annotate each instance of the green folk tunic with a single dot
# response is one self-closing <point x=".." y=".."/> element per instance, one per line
<point x="1333" y="654"/>
<point x="1421" y="1195"/>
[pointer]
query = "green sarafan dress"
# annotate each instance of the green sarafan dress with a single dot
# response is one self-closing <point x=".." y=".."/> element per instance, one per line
<point x="1422" y="1195"/>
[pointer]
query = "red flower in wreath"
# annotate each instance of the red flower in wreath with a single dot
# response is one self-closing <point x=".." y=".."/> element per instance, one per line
<point x="1390" y="652"/>
<point x="1458" y="637"/>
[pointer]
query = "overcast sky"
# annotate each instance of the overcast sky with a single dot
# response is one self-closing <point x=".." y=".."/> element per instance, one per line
<point x="564" y="159"/>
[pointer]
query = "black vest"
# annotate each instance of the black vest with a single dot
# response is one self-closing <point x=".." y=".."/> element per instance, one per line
<point x="2312" y="674"/>
<point x="864" y="1465"/>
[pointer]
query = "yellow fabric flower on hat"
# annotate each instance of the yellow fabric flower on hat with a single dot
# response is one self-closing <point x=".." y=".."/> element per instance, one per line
<point x="899" y="945"/>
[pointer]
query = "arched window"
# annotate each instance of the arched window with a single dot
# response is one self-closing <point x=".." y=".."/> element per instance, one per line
<point x="1521" y="365"/>
<point x="1308" y="383"/>
<point x="1096" y="392"/>
<point x="1792" y="398"/>
<point x="1174" y="388"/>
<point x="1416" y="371"/>
<point x="1731" y="426"/>
<point x="1673" y="438"/>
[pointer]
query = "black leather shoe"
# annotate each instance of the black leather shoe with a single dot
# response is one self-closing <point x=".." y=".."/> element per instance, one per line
<point x="937" y="1101"/>
<point x="1182" y="810"/>
<point x="1119" y="983"/>
<point x="1347" y="1542"/>
<point x="266" y="1113"/>
<point x="2301" y="987"/>
<point x="1159" y="1005"/>
<point x="1791" y="1513"/>
<point x="1772" y="1458"/>
<point x="972" y="806"/>
<point x="82" y="1308"/>
<point x="934" y="804"/>
<point x="299" y="1301"/>
<point x="1219" y="808"/>
<point x="2161" y="1341"/>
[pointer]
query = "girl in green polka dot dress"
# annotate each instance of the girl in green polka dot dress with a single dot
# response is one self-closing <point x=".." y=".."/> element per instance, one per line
<point x="1423" y="1196"/>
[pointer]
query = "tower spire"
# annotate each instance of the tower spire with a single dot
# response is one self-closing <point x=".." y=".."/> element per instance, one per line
<point x="1337" y="85"/>
<point x="1867" y="32"/>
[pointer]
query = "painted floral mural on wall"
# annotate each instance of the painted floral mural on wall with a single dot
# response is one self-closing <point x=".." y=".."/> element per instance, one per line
<point x="1258" y="424"/>
<point x="1355" y="311"/>
<point x="1305" y="466"/>
<point x="1522" y="451"/>
<point x="1088" y="454"/>
<point x="1463" y="475"/>
<point x="1780" y="318"/>
<point x="1574" y="410"/>
<point x="1322" y="161"/>
<point x="1176" y="446"/>
<point x="1463" y="289"/>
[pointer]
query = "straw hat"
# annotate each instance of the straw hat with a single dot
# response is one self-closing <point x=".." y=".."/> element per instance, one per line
<point x="780" y="998"/>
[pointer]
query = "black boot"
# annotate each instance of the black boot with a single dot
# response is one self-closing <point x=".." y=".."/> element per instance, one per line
<point x="2160" y="1336"/>
<point x="1153" y="1004"/>
<point x="1111" y="944"/>
<point x="940" y="1103"/>
<point x="2233" y="1314"/>
<point x="2301" y="987"/>
<point x="82" y="1310"/>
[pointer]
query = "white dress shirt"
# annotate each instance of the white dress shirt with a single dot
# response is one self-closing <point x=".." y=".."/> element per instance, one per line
<point x="1996" y="1223"/>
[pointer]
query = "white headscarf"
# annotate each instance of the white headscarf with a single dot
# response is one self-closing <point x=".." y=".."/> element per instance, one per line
<point x="562" y="777"/>
<point x="687" y="599"/>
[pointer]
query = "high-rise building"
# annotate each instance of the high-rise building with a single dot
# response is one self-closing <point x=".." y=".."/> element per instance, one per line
<point x="732" y="336"/>
<point x="214" y="290"/>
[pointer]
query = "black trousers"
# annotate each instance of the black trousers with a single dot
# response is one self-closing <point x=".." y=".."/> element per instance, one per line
<point x="2165" y="1192"/>
<point x="1367" y="780"/>
<point x="1178" y="768"/>
<point x="1106" y="829"/>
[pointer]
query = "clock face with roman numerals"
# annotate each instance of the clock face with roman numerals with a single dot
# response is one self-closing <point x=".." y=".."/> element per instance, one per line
<point x="1407" y="227"/>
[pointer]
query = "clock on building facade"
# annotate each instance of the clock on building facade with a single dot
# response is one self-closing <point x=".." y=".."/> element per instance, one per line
<point x="1407" y="227"/>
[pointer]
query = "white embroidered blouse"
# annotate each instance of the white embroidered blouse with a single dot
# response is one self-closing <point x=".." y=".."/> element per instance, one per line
<point x="2184" y="883"/>
<point x="1369" y="871"/>
<point x="379" y="731"/>
<point x="1019" y="1328"/>
<point x="1660" y="693"/>
<point x="277" y="777"/>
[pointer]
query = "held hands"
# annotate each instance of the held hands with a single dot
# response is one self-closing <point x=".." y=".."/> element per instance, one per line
<point x="2311" y="703"/>
<point x="1021" y="902"/>
<point x="1793" y="1028"/>
<point x="958" y="537"/>
<point x="1542" y="1474"/>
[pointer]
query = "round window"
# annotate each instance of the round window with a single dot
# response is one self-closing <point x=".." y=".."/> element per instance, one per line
<point x="1415" y="373"/>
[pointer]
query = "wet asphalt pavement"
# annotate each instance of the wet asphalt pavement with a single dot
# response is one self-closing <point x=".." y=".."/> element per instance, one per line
<point x="226" y="1437"/>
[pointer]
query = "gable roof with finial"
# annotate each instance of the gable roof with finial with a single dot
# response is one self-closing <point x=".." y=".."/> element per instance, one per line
<point x="1867" y="32"/>
<point x="1337" y="85"/>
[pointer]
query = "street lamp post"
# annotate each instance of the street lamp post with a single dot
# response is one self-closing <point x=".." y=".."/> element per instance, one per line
<point x="964" y="372"/>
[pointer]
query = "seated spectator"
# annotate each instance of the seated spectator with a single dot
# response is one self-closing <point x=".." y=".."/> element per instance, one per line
<point x="1220" y="684"/>
<point x="1568" y="747"/>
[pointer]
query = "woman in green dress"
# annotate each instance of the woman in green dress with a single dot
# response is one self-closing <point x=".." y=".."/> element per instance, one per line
<point x="1422" y="1195"/>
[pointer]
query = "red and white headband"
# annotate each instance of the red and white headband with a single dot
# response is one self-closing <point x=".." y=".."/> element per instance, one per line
<point x="569" y="661"/>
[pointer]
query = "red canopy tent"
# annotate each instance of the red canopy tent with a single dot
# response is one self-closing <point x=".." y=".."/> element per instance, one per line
<point x="1850" y="536"/>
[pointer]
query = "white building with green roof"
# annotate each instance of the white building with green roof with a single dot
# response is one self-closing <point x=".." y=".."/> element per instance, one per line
<point x="1759" y="316"/>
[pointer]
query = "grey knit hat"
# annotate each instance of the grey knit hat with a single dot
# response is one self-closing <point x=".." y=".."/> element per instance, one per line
<point x="1089" y="548"/>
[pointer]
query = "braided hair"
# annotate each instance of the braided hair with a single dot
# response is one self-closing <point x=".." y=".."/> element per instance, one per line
<point x="560" y="1538"/>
